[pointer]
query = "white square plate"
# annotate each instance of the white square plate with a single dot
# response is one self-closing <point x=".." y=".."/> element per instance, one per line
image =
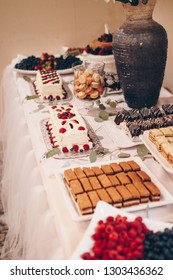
<point x="166" y="197"/>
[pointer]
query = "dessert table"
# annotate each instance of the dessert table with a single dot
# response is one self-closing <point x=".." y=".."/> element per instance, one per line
<point x="38" y="217"/>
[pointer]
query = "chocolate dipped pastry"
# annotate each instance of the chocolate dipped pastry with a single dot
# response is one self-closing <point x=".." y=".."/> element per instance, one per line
<point x="145" y="113"/>
<point x="156" y="112"/>
<point x="168" y="108"/>
<point x="121" y="116"/>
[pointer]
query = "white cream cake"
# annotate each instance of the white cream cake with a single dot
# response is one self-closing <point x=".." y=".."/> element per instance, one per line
<point x="67" y="129"/>
<point x="49" y="85"/>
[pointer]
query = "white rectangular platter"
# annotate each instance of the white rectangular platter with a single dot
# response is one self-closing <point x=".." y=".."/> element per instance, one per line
<point x="102" y="211"/>
<point x="166" y="197"/>
<point x="151" y="147"/>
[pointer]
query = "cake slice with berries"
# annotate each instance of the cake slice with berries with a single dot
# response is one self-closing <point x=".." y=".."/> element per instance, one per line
<point x="67" y="129"/>
<point x="48" y="85"/>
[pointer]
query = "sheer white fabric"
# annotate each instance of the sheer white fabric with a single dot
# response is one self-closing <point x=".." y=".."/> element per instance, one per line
<point x="32" y="233"/>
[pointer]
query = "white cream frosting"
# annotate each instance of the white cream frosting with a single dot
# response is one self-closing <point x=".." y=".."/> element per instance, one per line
<point x="68" y="127"/>
<point x="49" y="83"/>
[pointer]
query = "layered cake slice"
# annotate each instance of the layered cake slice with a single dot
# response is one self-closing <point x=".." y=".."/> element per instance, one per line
<point x="144" y="193"/>
<point x="75" y="188"/>
<point x="127" y="197"/>
<point x="48" y="85"/>
<point x="154" y="191"/>
<point x="84" y="204"/>
<point x="69" y="175"/>
<point x="115" y="196"/>
<point x="67" y="129"/>
<point x="94" y="198"/>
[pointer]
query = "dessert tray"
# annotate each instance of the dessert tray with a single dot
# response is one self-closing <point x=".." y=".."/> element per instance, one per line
<point x="158" y="156"/>
<point x="70" y="155"/>
<point x="165" y="199"/>
<point x="102" y="211"/>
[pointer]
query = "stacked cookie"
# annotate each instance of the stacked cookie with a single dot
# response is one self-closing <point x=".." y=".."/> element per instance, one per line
<point x="162" y="138"/>
<point x="88" y="83"/>
<point x="120" y="184"/>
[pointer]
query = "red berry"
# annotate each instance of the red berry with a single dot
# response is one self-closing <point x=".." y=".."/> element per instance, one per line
<point x="65" y="150"/>
<point x="58" y="97"/>
<point x="75" y="148"/>
<point x="81" y="128"/>
<point x="54" y="107"/>
<point x="86" y="147"/>
<point x="62" y="130"/>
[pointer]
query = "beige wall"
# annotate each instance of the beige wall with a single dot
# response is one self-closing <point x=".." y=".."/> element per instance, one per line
<point x="35" y="26"/>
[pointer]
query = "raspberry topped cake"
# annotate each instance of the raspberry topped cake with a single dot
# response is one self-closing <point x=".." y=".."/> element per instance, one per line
<point x="48" y="85"/>
<point x="67" y="129"/>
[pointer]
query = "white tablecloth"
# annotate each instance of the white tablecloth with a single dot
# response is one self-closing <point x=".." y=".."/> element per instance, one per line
<point x="40" y="224"/>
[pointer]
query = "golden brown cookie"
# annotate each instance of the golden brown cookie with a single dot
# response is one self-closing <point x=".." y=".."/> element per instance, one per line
<point x="69" y="175"/>
<point x="88" y="171"/>
<point x="134" y="165"/>
<point x="123" y="178"/>
<point x="116" y="167"/>
<point x="133" y="177"/>
<point x="93" y="196"/>
<point x="143" y="175"/>
<point x="154" y="191"/>
<point x="97" y="171"/>
<point x="104" y="181"/>
<point x="107" y="169"/>
<point x="104" y="195"/>
<point x="115" y="196"/>
<point x="125" y="166"/>
<point x="84" y="204"/>
<point x="114" y="180"/>
<point x="79" y="172"/>
<point x="144" y="193"/>
<point x="75" y="188"/>
<point x="94" y="183"/>
<point x="86" y="184"/>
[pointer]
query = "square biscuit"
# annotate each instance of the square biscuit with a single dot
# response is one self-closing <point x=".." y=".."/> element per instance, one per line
<point x="125" y="166"/>
<point x="107" y="169"/>
<point x="135" y="166"/>
<point x="133" y="177"/>
<point x="114" y="180"/>
<point x="69" y="175"/>
<point x="79" y="172"/>
<point x="123" y="178"/>
<point x="94" y="198"/>
<point x="94" y="183"/>
<point x="154" y="191"/>
<point x="143" y="175"/>
<point x="75" y="188"/>
<point x="134" y="192"/>
<point x="144" y="193"/>
<point x="104" y="181"/>
<point x="86" y="184"/>
<point x="116" y="167"/>
<point x="88" y="171"/>
<point x="104" y="195"/>
<point x="97" y="171"/>
<point x="84" y="204"/>
<point x="115" y="196"/>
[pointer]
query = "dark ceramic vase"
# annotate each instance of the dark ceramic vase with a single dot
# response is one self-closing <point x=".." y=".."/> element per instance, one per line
<point x="140" y="52"/>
